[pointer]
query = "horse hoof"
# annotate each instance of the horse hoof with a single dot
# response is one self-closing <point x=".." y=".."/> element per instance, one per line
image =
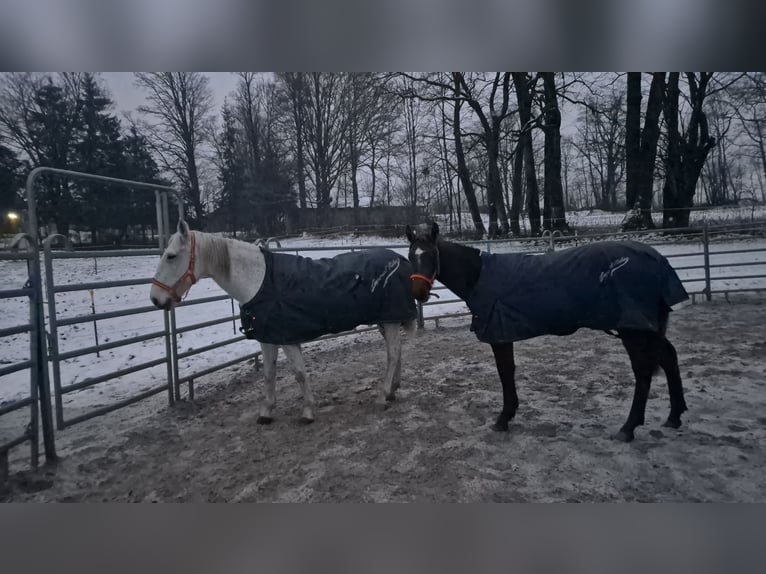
<point x="624" y="436"/>
<point x="264" y="420"/>
<point x="390" y="398"/>
<point x="499" y="427"/>
<point x="672" y="424"/>
<point x="305" y="421"/>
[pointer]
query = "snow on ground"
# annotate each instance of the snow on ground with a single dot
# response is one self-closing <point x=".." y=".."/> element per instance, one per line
<point x="433" y="443"/>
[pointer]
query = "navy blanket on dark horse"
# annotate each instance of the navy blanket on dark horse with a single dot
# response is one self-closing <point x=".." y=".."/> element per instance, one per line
<point x="604" y="286"/>
<point x="303" y="298"/>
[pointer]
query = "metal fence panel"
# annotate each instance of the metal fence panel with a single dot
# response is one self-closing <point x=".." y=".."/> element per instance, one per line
<point x="30" y="432"/>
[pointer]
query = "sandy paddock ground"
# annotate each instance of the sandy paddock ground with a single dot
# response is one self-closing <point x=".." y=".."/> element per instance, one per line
<point x="433" y="443"/>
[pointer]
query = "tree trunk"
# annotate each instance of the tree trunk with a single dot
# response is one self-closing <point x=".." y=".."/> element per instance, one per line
<point x="686" y="153"/>
<point x="633" y="140"/>
<point x="640" y="161"/>
<point x="553" y="192"/>
<point x="516" y="191"/>
<point x="524" y="97"/>
<point x="464" y="174"/>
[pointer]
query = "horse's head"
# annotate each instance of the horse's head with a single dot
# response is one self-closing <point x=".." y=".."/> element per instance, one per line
<point x="175" y="272"/>
<point x="424" y="257"/>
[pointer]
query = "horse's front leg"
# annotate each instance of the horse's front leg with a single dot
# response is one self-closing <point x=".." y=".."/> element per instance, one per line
<point x="298" y="365"/>
<point x="506" y="368"/>
<point x="269" y="355"/>
<point x="387" y="388"/>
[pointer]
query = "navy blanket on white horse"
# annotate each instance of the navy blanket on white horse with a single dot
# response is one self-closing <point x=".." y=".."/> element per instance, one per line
<point x="303" y="298"/>
<point x="604" y="286"/>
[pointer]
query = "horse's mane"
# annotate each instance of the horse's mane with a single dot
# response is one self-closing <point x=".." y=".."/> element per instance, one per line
<point x="215" y="252"/>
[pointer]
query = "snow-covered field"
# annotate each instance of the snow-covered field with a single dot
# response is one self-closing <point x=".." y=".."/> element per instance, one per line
<point x="596" y="218"/>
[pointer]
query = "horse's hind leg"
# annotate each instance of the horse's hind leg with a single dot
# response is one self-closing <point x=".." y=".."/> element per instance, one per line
<point x="506" y="368"/>
<point x="387" y="389"/>
<point x="269" y="355"/>
<point x="298" y="365"/>
<point x="643" y="350"/>
<point x="669" y="362"/>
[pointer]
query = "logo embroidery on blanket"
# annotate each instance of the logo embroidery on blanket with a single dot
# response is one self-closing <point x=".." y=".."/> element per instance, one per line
<point x="390" y="268"/>
<point x="613" y="266"/>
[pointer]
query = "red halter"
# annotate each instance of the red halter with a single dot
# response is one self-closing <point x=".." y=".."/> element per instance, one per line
<point x="189" y="274"/>
<point x="429" y="280"/>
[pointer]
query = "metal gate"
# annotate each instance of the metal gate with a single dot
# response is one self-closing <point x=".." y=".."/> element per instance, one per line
<point x="20" y="429"/>
<point x="39" y="399"/>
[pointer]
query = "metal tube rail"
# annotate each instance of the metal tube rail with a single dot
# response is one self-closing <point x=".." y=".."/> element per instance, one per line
<point x="113" y="375"/>
<point x="8" y="331"/>
<point x="214" y="368"/>
<point x="210" y="323"/>
<point x="64" y="322"/>
<point x="16" y="293"/>
<point x="730" y="277"/>
<point x="16" y="367"/>
<point x="106" y="254"/>
<point x="72" y="287"/>
<point x="211" y="346"/>
<point x="107" y="346"/>
<point x="5" y="447"/>
<point x="740" y="264"/>
<point x="14" y="406"/>
<point x="115" y="406"/>
<point x="755" y="250"/>
<point x="202" y="300"/>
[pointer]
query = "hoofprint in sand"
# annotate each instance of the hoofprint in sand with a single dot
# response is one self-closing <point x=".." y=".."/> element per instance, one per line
<point x="434" y="442"/>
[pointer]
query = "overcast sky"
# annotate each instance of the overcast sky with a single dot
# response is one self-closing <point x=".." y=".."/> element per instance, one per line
<point x="127" y="97"/>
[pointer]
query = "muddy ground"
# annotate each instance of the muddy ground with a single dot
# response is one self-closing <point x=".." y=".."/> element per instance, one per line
<point x="433" y="443"/>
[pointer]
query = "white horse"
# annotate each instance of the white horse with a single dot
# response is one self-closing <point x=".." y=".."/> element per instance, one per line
<point x="239" y="268"/>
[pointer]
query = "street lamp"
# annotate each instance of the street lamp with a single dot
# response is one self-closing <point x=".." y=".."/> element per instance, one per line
<point x="12" y="223"/>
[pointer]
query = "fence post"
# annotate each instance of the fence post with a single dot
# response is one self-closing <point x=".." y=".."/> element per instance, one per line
<point x="174" y="345"/>
<point x="53" y="339"/>
<point x="169" y="358"/>
<point x="706" y="252"/>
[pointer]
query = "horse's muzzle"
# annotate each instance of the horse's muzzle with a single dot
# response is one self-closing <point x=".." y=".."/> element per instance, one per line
<point x="165" y="305"/>
<point x="420" y="289"/>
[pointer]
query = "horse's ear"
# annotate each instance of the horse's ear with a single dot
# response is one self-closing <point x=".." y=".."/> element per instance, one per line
<point x="183" y="228"/>
<point x="434" y="230"/>
<point x="409" y="233"/>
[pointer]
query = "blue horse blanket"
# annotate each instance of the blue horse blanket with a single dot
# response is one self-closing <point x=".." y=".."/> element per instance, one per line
<point x="606" y="285"/>
<point x="303" y="298"/>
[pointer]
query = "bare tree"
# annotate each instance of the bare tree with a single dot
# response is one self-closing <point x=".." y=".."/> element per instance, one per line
<point x="601" y="143"/>
<point x="525" y="85"/>
<point x="749" y="106"/>
<point x="326" y="130"/>
<point x="295" y="87"/>
<point x="641" y="143"/>
<point x="687" y="150"/>
<point x="180" y="114"/>
<point x="554" y="213"/>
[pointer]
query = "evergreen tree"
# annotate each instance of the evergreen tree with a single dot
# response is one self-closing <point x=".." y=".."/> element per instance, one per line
<point x="98" y="150"/>
<point x="10" y="179"/>
<point x="231" y="202"/>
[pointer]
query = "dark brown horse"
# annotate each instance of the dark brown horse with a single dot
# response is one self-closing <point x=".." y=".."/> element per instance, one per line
<point x="620" y="286"/>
